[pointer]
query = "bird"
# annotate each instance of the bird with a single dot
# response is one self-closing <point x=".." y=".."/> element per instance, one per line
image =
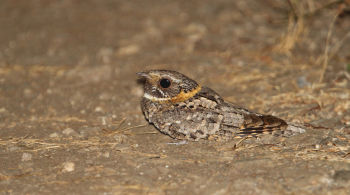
<point x="180" y="107"/>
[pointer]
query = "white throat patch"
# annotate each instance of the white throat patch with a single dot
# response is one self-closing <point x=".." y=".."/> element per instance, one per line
<point x="152" y="98"/>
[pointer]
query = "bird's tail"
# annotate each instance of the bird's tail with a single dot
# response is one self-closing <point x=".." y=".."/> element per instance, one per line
<point x="293" y="129"/>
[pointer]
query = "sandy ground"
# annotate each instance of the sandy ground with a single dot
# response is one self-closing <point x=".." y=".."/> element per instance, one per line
<point x="70" y="119"/>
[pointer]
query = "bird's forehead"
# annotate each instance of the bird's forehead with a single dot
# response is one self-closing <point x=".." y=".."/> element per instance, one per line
<point x="153" y="77"/>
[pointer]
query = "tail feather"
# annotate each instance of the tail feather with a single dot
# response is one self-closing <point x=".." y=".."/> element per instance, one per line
<point x="293" y="129"/>
<point x="266" y="124"/>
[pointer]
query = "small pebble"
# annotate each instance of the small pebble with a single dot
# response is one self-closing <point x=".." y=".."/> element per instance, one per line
<point x="2" y="109"/>
<point x="103" y="120"/>
<point x="49" y="91"/>
<point x="26" y="157"/>
<point x="98" y="109"/>
<point x="68" y="167"/>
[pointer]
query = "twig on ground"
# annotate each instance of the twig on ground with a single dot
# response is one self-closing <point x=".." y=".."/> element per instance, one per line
<point x="239" y="142"/>
<point x="326" y="51"/>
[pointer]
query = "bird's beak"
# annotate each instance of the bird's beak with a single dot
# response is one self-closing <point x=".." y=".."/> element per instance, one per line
<point x="144" y="75"/>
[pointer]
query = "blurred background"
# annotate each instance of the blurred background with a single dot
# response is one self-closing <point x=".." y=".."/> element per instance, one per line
<point x="67" y="71"/>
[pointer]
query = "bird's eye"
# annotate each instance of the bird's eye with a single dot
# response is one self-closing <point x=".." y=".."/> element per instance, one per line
<point x="165" y="83"/>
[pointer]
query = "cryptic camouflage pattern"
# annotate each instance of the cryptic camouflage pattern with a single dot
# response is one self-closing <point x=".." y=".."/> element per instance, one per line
<point x="185" y="110"/>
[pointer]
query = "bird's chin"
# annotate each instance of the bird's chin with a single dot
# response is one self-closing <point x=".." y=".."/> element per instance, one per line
<point x="155" y="98"/>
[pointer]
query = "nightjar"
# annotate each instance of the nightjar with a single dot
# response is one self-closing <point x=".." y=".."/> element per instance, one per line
<point x="183" y="109"/>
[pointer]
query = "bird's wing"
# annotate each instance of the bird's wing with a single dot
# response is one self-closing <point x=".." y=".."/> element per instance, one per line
<point x="240" y="121"/>
<point x="255" y="124"/>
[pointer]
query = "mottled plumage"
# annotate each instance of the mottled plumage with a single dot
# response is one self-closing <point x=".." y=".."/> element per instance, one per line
<point x="179" y="107"/>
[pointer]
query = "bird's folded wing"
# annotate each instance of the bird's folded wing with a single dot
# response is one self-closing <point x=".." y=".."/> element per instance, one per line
<point x="255" y="124"/>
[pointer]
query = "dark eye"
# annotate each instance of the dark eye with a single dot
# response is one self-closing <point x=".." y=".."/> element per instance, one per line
<point x="165" y="83"/>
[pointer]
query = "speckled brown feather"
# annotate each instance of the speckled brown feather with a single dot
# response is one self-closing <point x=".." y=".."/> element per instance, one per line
<point x="185" y="110"/>
<point x="256" y="124"/>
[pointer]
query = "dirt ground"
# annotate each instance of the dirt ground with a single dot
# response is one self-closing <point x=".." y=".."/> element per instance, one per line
<point x="70" y="118"/>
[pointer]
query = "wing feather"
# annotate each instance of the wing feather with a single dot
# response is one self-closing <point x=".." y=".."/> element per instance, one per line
<point x="255" y="124"/>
